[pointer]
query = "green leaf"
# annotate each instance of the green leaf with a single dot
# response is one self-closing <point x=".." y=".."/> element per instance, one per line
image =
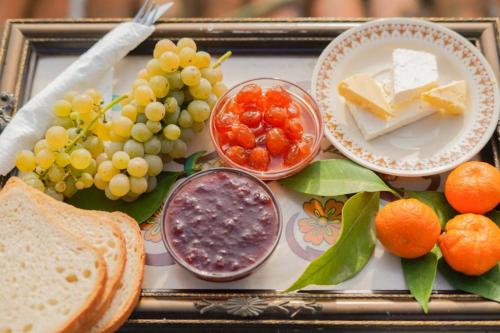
<point x="353" y="248"/>
<point x="420" y="274"/>
<point x="336" y="177"/>
<point x="486" y="285"/>
<point x="494" y="215"/>
<point x="191" y="164"/>
<point x="141" y="209"/>
<point x="438" y="202"/>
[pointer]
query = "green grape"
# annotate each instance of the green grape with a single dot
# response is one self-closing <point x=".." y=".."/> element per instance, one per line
<point x="213" y="75"/>
<point x="174" y="80"/>
<point x="122" y="126"/>
<point x="134" y="148"/>
<point x="56" y="137"/>
<point x="198" y="127"/>
<point x="140" y="109"/>
<point x="139" y="82"/>
<point x="129" y="197"/>
<point x="186" y="42"/>
<point x="160" y="86"/>
<point x="112" y="147"/>
<point x="119" y="185"/>
<point x="202" y="90"/>
<point x="178" y="95"/>
<point x="172" y="132"/>
<point x="153" y="146"/>
<point x="202" y="59"/>
<point x="95" y="94"/>
<point x="80" y="158"/>
<point x="164" y="45"/>
<point x="83" y="103"/>
<point x="60" y="186"/>
<point x="152" y="182"/>
<point x="190" y="76"/>
<point x="80" y="185"/>
<point x="130" y="112"/>
<point x="153" y="67"/>
<point x="219" y="89"/>
<point x="138" y="185"/>
<point x="27" y="175"/>
<point x="211" y="100"/>
<point x="141" y="118"/>
<point x="72" y="132"/>
<point x="171" y="118"/>
<point x="35" y="182"/>
<point x="62" y="108"/>
<point x="143" y="95"/>
<point x="93" y="145"/>
<point x="187" y="135"/>
<point x="40" y="145"/>
<point x="187" y="57"/>
<point x="199" y="110"/>
<point x="25" y="161"/>
<point x="51" y="192"/>
<point x="171" y="104"/>
<point x="70" y="188"/>
<point x="169" y="62"/>
<point x="116" y="138"/>
<point x="99" y="183"/>
<point x="87" y="179"/>
<point x="63" y="122"/>
<point x="55" y="173"/>
<point x="185" y="120"/>
<point x="110" y="195"/>
<point x="143" y="74"/>
<point x="137" y="167"/>
<point x="141" y="133"/>
<point x="120" y="160"/>
<point x="155" y="164"/>
<point x="101" y="158"/>
<point x="106" y="170"/>
<point x="155" y="111"/>
<point x="166" y="146"/>
<point x="153" y="126"/>
<point x="62" y="159"/>
<point x="179" y="149"/>
<point x="70" y="95"/>
<point x="92" y="168"/>
<point x="45" y="158"/>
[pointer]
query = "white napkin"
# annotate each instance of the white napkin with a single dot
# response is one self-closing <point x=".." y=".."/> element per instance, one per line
<point x="32" y="120"/>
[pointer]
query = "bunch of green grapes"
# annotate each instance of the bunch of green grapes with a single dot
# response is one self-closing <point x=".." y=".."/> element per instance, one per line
<point x="170" y="101"/>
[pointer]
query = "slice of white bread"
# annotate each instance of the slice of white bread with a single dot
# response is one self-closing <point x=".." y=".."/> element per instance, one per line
<point x="50" y="279"/>
<point x="102" y="233"/>
<point x="129" y="290"/>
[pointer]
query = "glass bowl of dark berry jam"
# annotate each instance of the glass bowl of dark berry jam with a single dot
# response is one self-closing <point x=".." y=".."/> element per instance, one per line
<point x="221" y="224"/>
<point x="268" y="127"/>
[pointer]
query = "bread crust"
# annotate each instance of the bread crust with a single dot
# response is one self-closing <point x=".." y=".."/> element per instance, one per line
<point x="92" y="300"/>
<point x="111" y="284"/>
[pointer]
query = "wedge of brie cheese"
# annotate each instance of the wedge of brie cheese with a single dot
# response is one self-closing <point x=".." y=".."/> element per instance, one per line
<point x="450" y="98"/>
<point x="372" y="127"/>
<point x="363" y="90"/>
<point x="413" y="72"/>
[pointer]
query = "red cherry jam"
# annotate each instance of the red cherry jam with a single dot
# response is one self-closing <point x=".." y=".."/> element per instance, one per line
<point x="221" y="221"/>
<point x="264" y="130"/>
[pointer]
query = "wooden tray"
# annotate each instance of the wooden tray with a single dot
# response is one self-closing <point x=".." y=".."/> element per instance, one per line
<point x="25" y="41"/>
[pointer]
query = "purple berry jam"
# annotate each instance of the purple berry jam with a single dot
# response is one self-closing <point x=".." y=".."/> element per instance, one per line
<point x="221" y="221"/>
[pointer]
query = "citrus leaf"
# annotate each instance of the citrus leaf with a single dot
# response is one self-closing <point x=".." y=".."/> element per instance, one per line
<point x="141" y="209"/>
<point x="486" y="285"/>
<point x="191" y="164"/>
<point x="420" y="274"/>
<point x="438" y="202"/>
<point x="494" y="215"/>
<point x="353" y="248"/>
<point x="336" y="177"/>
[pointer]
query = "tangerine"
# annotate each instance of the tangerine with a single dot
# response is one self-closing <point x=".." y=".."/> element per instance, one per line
<point x="473" y="187"/>
<point x="407" y="228"/>
<point x="471" y="244"/>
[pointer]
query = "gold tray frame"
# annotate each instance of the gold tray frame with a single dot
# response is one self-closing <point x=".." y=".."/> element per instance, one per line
<point x="25" y="40"/>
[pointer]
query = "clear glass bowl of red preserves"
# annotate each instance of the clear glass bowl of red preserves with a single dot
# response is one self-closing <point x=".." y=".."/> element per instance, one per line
<point x="268" y="127"/>
<point x="221" y="224"/>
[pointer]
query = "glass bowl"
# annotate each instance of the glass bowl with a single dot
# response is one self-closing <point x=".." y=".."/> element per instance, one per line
<point x="191" y="216"/>
<point x="309" y="108"/>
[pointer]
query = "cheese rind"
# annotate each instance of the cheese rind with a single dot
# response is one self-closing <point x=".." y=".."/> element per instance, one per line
<point x="413" y="72"/>
<point x="450" y="98"/>
<point x="363" y="90"/>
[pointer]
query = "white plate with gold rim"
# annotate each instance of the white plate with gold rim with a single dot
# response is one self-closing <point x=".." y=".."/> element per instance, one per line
<point x="432" y="145"/>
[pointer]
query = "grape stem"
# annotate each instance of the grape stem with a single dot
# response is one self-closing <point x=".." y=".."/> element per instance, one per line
<point x="222" y="58"/>
<point x="86" y="128"/>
